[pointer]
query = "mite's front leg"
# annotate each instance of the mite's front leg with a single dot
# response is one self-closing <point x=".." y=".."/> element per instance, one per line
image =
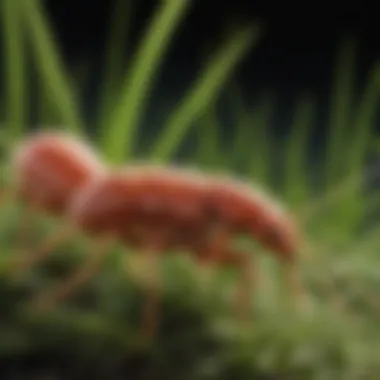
<point x="295" y="286"/>
<point x="151" y="309"/>
<point x="23" y="262"/>
<point x="218" y="252"/>
<point x="245" y="264"/>
<point x="22" y="236"/>
<point x="90" y="267"/>
<point x="152" y="251"/>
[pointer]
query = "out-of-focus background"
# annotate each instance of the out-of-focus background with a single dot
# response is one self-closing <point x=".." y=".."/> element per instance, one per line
<point x="284" y="95"/>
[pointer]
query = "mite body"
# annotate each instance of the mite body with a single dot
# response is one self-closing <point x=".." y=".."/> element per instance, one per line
<point x="162" y="209"/>
<point x="151" y="208"/>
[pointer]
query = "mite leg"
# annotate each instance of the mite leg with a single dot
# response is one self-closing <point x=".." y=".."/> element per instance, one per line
<point x="132" y="263"/>
<point x="48" y="299"/>
<point x="293" y="281"/>
<point x="244" y="262"/>
<point x="27" y="260"/>
<point x="209" y="248"/>
<point x="217" y="251"/>
<point x="300" y="300"/>
<point x="151" y="309"/>
<point x="22" y="236"/>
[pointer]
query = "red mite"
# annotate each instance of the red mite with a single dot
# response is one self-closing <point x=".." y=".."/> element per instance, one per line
<point x="154" y="209"/>
<point x="159" y="209"/>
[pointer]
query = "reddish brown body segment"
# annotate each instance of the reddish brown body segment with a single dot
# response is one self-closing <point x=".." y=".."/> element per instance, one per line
<point x="49" y="167"/>
<point x="137" y="203"/>
<point x="246" y="210"/>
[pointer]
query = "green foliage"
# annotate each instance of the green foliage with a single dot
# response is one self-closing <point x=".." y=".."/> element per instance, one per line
<point x="54" y="77"/>
<point x="124" y="122"/>
<point x="114" y="63"/>
<point x="96" y="333"/>
<point x="15" y="66"/>
<point x="204" y="91"/>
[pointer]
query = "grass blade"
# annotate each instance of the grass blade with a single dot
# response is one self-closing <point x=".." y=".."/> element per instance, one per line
<point x="204" y="91"/>
<point x="15" y="68"/>
<point x="346" y="207"/>
<point x="259" y="152"/>
<point x="296" y="184"/>
<point x="120" y="24"/>
<point x="351" y="207"/>
<point x="340" y="117"/>
<point x="119" y="140"/>
<point x="47" y="113"/>
<point x="50" y="65"/>
<point x="364" y="123"/>
<point x="209" y="153"/>
<point x="241" y="146"/>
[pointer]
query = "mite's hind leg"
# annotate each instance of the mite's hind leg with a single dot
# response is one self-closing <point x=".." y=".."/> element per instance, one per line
<point x="294" y="284"/>
<point x="89" y="268"/>
<point x="151" y="308"/>
<point x="218" y="252"/>
<point x="152" y="250"/>
<point x="23" y="262"/>
<point x="244" y="263"/>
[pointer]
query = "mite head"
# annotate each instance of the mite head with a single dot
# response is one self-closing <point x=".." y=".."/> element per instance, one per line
<point x="49" y="166"/>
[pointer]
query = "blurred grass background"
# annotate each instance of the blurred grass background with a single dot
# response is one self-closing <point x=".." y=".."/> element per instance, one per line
<point x="94" y="335"/>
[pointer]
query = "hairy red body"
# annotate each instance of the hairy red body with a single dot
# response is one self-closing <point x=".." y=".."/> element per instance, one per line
<point x="138" y="203"/>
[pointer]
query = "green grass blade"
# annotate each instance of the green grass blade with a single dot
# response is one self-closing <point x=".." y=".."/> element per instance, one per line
<point x="205" y="90"/>
<point x="351" y="207"/>
<point x="50" y="65"/>
<point x="324" y="203"/>
<point x="15" y="68"/>
<point x="2" y="109"/>
<point x="120" y="24"/>
<point x="343" y="204"/>
<point x="296" y="183"/>
<point x="209" y="153"/>
<point x="340" y="116"/>
<point x="243" y="136"/>
<point x="47" y="113"/>
<point x="259" y="153"/>
<point x="364" y="122"/>
<point x="119" y="140"/>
